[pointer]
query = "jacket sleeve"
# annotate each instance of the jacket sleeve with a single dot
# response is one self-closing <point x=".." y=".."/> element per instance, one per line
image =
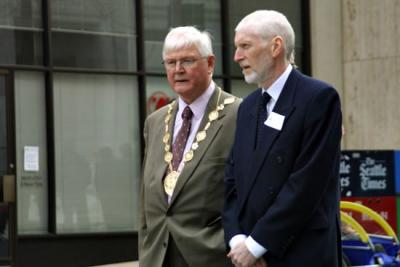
<point x="314" y="174"/>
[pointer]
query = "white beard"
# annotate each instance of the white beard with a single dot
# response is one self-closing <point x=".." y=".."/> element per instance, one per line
<point x="252" y="78"/>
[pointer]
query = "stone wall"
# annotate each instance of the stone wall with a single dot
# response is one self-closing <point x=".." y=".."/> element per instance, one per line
<point x="355" y="45"/>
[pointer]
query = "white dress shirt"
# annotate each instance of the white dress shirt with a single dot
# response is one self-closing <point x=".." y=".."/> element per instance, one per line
<point x="274" y="91"/>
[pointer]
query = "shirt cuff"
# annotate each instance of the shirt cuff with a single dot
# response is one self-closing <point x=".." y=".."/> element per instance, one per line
<point x="236" y="240"/>
<point x="256" y="249"/>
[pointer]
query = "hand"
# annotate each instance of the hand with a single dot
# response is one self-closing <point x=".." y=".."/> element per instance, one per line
<point x="242" y="257"/>
<point x="261" y="263"/>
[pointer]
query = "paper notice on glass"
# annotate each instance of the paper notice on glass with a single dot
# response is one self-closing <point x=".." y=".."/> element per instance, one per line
<point x="31" y="158"/>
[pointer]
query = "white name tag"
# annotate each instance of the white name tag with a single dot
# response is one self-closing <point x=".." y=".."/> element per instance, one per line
<point x="275" y="121"/>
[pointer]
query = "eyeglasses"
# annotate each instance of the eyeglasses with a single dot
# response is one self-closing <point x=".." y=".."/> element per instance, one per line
<point x="184" y="62"/>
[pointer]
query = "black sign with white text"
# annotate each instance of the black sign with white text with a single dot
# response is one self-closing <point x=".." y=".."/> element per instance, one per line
<point x="367" y="173"/>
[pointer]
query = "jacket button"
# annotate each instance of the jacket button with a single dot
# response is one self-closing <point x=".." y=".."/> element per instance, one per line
<point x="270" y="190"/>
<point x="279" y="159"/>
<point x="165" y="244"/>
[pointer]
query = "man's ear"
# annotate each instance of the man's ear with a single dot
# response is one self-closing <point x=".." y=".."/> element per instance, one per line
<point x="277" y="46"/>
<point x="211" y="63"/>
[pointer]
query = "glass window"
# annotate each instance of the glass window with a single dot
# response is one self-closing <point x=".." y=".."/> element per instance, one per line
<point x="30" y="122"/>
<point x="94" y="34"/>
<point x="97" y="143"/>
<point x="158" y="93"/>
<point x="21" y="32"/>
<point x="242" y="89"/>
<point x="160" y="16"/>
<point x="220" y="83"/>
<point x="291" y="9"/>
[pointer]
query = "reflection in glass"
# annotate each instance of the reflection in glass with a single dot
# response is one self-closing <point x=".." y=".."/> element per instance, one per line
<point x="97" y="146"/>
<point x="160" y="16"/>
<point x="21" y="32"/>
<point x="158" y="93"/>
<point x="94" y="34"/>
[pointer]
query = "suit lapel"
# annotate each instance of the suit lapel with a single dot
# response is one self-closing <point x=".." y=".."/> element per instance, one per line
<point x="251" y="121"/>
<point x="284" y="107"/>
<point x="190" y="166"/>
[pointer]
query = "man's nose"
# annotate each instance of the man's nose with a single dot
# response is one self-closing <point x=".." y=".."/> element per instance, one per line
<point x="178" y="66"/>
<point x="238" y="55"/>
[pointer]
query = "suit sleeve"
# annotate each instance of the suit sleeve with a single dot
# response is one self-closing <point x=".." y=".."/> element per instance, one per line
<point x="142" y="217"/>
<point x="313" y="179"/>
<point x="229" y="215"/>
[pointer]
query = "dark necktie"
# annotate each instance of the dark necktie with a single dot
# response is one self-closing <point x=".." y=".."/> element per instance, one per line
<point x="262" y="116"/>
<point x="180" y="141"/>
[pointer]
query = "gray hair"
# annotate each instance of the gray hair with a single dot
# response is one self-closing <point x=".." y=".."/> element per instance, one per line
<point x="268" y="24"/>
<point x="186" y="36"/>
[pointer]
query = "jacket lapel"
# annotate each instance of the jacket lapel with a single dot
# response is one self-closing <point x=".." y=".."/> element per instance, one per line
<point x="190" y="166"/>
<point x="251" y="121"/>
<point x="284" y="107"/>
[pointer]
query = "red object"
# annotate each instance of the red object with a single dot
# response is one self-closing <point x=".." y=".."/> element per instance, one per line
<point x="157" y="100"/>
<point x="384" y="206"/>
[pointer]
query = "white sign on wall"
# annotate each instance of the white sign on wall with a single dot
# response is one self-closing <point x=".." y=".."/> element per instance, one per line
<point x="31" y="158"/>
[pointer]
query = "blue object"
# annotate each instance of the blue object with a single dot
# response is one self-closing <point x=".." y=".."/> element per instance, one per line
<point x="397" y="170"/>
<point x="382" y="250"/>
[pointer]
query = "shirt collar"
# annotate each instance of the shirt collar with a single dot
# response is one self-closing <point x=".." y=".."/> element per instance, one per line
<point x="276" y="88"/>
<point x="199" y="105"/>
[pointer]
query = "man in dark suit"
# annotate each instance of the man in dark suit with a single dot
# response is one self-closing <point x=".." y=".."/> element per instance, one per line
<point x="282" y="181"/>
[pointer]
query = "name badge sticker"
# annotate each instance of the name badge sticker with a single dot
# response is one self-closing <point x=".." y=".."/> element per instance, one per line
<point x="275" y="121"/>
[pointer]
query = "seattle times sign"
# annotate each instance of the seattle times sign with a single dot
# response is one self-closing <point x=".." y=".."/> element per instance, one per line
<point x="367" y="173"/>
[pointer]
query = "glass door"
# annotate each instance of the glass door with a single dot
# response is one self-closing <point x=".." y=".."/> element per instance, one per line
<point x="7" y="173"/>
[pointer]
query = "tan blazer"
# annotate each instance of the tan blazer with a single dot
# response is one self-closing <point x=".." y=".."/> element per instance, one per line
<point x="193" y="217"/>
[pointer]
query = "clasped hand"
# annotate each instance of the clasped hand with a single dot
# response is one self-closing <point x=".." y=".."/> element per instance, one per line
<point x="242" y="257"/>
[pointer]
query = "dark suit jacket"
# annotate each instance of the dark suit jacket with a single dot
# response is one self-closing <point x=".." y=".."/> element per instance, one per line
<point x="285" y="192"/>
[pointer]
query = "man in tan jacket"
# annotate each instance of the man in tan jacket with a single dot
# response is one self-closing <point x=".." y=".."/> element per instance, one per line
<point x="187" y="144"/>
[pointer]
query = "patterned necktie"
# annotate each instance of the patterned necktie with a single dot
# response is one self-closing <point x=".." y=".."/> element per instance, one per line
<point x="262" y="116"/>
<point x="180" y="141"/>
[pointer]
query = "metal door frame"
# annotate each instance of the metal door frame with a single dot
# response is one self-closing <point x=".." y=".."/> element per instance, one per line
<point x="10" y="163"/>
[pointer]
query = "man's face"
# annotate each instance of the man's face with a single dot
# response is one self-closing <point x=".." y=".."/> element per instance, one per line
<point x="189" y="74"/>
<point x="253" y="54"/>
